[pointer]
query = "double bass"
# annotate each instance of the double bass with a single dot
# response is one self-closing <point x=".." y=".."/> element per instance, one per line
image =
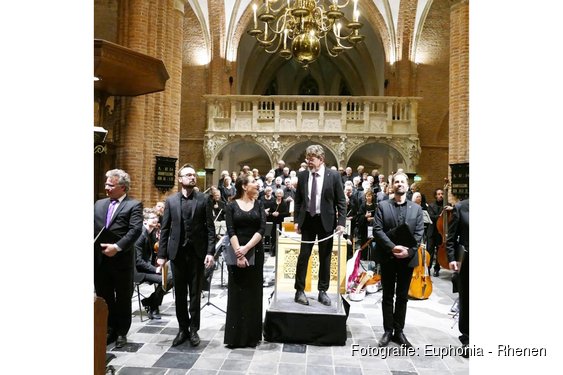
<point x="442" y="226"/>
<point x="421" y="283"/>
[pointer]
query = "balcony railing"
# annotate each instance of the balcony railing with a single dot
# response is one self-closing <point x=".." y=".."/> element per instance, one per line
<point x="377" y="115"/>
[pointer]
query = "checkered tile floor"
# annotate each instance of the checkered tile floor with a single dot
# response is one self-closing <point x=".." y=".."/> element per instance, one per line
<point x="430" y="324"/>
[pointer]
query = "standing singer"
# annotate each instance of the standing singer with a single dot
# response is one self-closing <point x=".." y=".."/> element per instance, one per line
<point x="320" y="207"/>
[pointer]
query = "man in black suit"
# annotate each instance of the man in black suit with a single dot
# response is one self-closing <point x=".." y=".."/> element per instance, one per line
<point x="187" y="238"/>
<point x="397" y="261"/>
<point x="320" y="207"/>
<point x="118" y="221"/>
<point x="457" y="246"/>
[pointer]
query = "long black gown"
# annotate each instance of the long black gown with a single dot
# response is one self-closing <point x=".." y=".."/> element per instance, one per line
<point x="243" y="326"/>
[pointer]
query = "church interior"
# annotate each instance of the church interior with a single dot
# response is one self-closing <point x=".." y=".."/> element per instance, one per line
<point x="199" y="81"/>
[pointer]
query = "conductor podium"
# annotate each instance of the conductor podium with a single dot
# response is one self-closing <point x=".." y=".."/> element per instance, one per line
<point x="289" y="322"/>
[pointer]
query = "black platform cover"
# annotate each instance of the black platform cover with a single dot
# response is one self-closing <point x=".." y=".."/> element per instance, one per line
<point x="303" y="327"/>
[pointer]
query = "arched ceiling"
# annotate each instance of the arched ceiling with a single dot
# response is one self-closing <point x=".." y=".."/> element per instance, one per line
<point x="234" y="10"/>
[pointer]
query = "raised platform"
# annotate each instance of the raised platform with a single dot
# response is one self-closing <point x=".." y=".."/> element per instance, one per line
<point x="289" y="322"/>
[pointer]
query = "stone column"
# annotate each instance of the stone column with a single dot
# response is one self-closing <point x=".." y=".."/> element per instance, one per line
<point x="209" y="177"/>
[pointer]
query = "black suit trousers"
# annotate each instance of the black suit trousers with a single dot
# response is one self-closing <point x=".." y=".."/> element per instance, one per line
<point x="464" y="299"/>
<point x="395" y="278"/>
<point x="115" y="286"/>
<point x="311" y="230"/>
<point x="187" y="271"/>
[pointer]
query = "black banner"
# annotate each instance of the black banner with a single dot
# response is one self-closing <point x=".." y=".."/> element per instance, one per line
<point x="460" y="180"/>
<point x="165" y="173"/>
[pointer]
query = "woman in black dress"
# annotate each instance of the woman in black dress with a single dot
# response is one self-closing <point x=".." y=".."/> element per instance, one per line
<point x="246" y="224"/>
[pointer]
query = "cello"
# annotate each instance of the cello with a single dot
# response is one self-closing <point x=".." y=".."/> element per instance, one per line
<point x="421" y="284"/>
<point x="442" y="226"/>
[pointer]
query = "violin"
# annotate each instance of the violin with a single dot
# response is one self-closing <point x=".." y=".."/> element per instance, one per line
<point x="442" y="226"/>
<point x="155" y="247"/>
<point x="421" y="283"/>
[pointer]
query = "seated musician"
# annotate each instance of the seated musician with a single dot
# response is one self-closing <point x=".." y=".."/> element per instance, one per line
<point x="146" y="249"/>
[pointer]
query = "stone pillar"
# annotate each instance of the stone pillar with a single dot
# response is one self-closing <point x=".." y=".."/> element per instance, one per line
<point x="209" y="177"/>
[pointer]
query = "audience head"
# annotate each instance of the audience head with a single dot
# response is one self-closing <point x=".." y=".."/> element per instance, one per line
<point x="268" y="191"/>
<point x="439" y="195"/>
<point x="159" y="208"/>
<point x="150" y="218"/>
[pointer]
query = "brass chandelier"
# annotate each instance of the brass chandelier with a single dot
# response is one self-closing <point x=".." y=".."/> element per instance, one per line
<point x="296" y="28"/>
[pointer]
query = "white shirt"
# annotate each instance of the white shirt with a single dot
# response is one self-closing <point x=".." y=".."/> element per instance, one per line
<point x="320" y="179"/>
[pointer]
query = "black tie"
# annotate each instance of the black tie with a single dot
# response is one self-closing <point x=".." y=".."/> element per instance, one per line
<point x="313" y="199"/>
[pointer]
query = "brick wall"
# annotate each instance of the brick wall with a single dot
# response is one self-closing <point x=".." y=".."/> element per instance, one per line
<point x="148" y="125"/>
<point x="459" y="83"/>
<point x="432" y="85"/>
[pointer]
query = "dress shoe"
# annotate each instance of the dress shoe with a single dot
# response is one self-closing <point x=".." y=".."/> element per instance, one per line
<point x="301" y="298"/>
<point x="153" y="313"/>
<point x="121" y="341"/>
<point x="145" y="302"/>
<point x="180" y="338"/>
<point x="194" y="338"/>
<point x="401" y="339"/>
<point x="385" y="339"/>
<point x="324" y="298"/>
<point x="149" y="312"/>
<point x="436" y="273"/>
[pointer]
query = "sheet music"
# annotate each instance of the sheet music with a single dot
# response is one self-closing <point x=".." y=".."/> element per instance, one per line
<point x="220" y="227"/>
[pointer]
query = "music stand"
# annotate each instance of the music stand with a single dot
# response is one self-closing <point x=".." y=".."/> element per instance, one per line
<point x="220" y="230"/>
<point x="209" y="277"/>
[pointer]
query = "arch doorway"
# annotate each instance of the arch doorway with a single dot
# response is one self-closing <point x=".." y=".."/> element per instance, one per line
<point x="295" y="155"/>
<point x="377" y="156"/>
<point x="237" y="154"/>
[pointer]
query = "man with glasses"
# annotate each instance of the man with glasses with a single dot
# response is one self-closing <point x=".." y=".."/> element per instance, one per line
<point x="187" y="238"/>
<point x="320" y="208"/>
